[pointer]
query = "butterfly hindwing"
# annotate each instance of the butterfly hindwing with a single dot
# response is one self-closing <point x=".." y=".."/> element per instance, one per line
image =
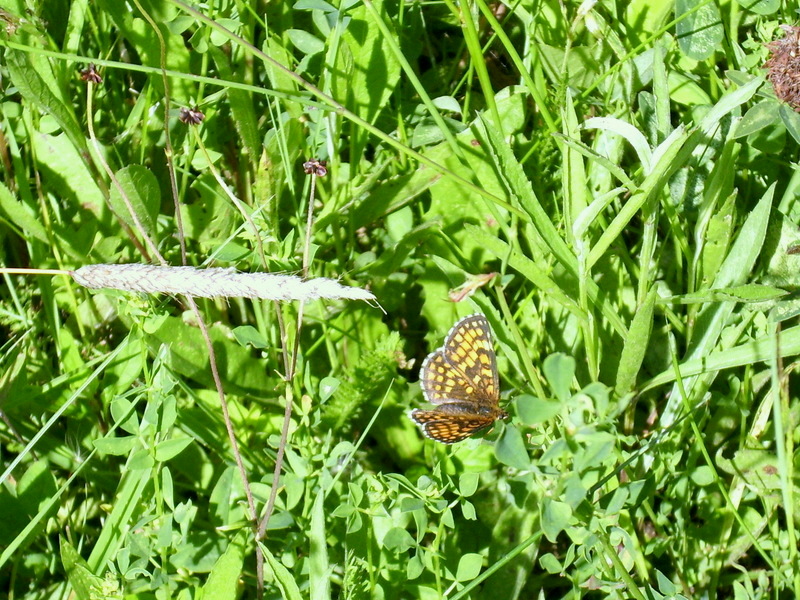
<point x="449" y="429"/>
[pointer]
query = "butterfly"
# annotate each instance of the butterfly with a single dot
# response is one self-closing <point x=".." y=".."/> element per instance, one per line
<point x="461" y="379"/>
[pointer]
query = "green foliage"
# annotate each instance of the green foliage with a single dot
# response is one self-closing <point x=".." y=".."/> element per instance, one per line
<point x="626" y="172"/>
<point x="356" y="398"/>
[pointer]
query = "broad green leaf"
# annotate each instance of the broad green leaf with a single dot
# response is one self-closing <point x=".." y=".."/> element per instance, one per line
<point x="60" y="159"/>
<point x="127" y="366"/>
<point x="219" y="38"/>
<point x="18" y="215"/>
<point x="149" y="48"/>
<point x="468" y="510"/>
<point x="319" y="569"/>
<point x="288" y="584"/>
<point x="369" y="70"/>
<point x="760" y="115"/>
<point x="468" y="484"/>
<point x="636" y="345"/>
<point x="685" y="90"/>
<point x="718" y="237"/>
<point x="240" y="372"/>
<point x="247" y="335"/>
<point x="223" y="580"/>
<point x="550" y="563"/>
<point x="699" y="29"/>
<point x="115" y="446"/>
<point x="469" y="566"/>
<point x="141" y="460"/>
<point x="749" y="293"/>
<point x="415" y="568"/>
<point x="665" y="586"/>
<point x="761" y="7"/>
<point x="122" y="410"/>
<point x="85" y="584"/>
<point x="398" y="539"/>
<point x="305" y="42"/>
<point x="510" y="449"/>
<point x="36" y="486"/>
<point x="33" y="77"/>
<point x="559" y="370"/>
<point x="241" y="103"/>
<point x="556" y="516"/>
<point x="791" y="120"/>
<point x="532" y="411"/>
<point x="597" y="450"/>
<point x="138" y="190"/>
<point x="703" y="475"/>
<point x="167" y="487"/>
<point x="327" y="387"/>
<point x="313" y="5"/>
<point x="169" y="449"/>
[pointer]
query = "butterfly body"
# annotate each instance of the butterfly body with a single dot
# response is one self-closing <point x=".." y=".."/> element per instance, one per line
<point x="461" y="379"/>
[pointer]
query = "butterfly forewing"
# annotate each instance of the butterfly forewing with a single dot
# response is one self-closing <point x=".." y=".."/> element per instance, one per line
<point x="465" y="368"/>
<point x="470" y="349"/>
<point x="441" y="381"/>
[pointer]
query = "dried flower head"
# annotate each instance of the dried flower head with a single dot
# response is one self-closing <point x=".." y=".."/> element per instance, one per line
<point x="191" y="116"/>
<point x="784" y="66"/>
<point x="316" y="166"/>
<point x="91" y="75"/>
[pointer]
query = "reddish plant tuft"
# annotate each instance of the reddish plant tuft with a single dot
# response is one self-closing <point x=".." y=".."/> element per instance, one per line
<point x="784" y="66"/>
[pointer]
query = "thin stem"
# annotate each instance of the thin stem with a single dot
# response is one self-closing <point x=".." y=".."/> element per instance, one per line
<point x="291" y="367"/>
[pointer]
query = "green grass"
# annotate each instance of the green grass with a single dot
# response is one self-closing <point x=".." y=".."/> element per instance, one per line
<point x="626" y="172"/>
